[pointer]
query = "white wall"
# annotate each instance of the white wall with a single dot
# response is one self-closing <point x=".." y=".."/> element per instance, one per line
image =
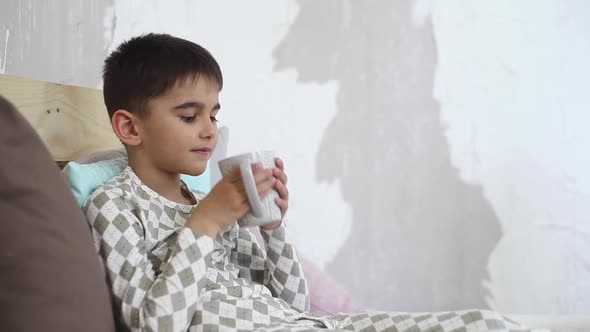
<point x="512" y="81"/>
<point x="435" y="148"/>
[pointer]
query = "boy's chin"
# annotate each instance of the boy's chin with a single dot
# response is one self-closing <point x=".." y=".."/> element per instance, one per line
<point x="193" y="169"/>
<point x="194" y="172"/>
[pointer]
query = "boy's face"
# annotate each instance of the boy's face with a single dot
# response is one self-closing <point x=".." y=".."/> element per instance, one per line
<point x="180" y="131"/>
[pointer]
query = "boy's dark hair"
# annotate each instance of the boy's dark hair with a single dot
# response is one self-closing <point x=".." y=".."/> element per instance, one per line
<point x="148" y="66"/>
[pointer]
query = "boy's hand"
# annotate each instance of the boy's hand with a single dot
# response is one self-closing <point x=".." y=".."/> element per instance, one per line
<point x="227" y="201"/>
<point x="281" y="187"/>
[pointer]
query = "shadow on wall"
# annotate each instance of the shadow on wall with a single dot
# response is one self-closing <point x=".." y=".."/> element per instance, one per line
<point x="421" y="238"/>
<point x="46" y="40"/>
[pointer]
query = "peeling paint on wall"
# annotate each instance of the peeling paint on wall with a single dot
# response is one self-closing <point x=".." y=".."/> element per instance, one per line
<point x="60" y="41"/>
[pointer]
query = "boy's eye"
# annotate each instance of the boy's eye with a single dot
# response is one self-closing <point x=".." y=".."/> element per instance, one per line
<point x="214" y="119"/>
<point x="188" y="118"/>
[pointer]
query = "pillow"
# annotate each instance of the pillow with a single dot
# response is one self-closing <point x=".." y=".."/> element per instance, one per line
<point x="84" y="178"/>
<point x="51" y="278"/>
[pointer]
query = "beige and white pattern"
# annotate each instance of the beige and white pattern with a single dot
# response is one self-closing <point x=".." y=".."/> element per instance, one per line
<point x="165" y="277"/>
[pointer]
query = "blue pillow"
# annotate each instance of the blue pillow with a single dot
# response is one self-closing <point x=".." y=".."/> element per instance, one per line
<point x="84" y="178"/>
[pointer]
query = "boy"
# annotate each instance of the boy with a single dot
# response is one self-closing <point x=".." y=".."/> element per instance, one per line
<point x="175" y="258"/>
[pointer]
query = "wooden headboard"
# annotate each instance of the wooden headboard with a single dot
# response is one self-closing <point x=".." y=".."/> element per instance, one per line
<point x="71" y="120"/>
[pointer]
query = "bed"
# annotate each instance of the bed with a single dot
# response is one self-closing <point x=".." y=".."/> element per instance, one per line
<point x="73" y="124"/>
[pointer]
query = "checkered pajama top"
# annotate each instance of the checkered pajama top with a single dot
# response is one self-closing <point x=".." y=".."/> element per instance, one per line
<point x="166" y="277"/>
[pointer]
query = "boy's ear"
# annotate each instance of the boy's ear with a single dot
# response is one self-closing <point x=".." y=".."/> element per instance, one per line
<point x="125" y="125"/>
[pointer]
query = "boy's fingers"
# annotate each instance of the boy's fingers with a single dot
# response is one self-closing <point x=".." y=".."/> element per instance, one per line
<point x="282" y="203"/>
<point x="265" y="187"/>
<point x="280" y="174"/>
<point x="282" y="190"/>
<point x="280" y="164"/>
<point x="262" y="175"/>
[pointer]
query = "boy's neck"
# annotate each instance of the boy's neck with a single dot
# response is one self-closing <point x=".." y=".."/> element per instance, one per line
<point x="164" y="183"/>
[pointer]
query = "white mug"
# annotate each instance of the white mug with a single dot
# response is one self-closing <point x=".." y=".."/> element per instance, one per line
<point x="262" y="211"/>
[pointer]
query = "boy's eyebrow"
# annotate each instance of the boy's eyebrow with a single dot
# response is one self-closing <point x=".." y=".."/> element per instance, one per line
<point x="196" y="105"/>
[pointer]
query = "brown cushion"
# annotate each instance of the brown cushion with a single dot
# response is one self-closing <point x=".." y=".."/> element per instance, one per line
<point x="50" y="276"/>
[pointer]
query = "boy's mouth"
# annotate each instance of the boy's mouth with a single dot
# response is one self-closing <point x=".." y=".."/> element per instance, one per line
<point x="203" y="151"/>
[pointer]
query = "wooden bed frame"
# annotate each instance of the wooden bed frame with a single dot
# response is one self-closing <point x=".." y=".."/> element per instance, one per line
<point x="71" y="120"/>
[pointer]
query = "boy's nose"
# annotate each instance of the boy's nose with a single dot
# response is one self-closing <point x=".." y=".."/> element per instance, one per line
<point x="209" y="130"/>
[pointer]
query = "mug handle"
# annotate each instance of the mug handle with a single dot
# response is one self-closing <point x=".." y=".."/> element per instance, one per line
<point x="251" y="191"/>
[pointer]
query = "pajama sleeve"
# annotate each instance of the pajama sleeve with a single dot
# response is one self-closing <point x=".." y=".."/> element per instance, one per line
<point x="149" y="299"/>
<point x="278" y="268"/>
